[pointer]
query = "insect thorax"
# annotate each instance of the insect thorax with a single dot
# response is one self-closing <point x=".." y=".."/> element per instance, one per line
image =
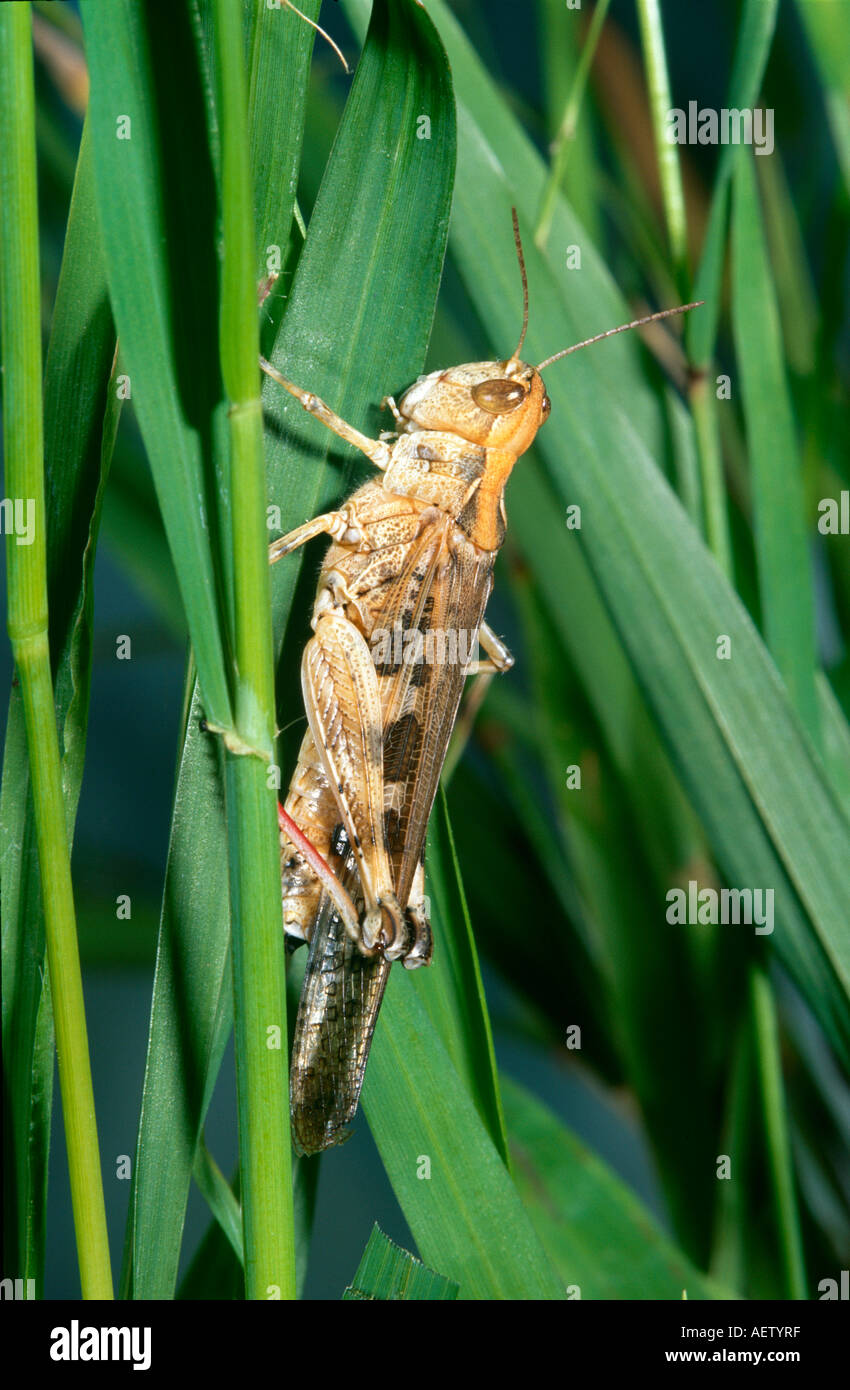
<point x="465" y="481"/>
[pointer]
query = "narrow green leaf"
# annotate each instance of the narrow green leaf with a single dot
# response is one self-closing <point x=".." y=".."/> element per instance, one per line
<point x="666" y="152"/>
<point x="155" y="191"/>
<point x="281" y="45"/>
<point x="754" y="39"/>
<point x="560" y="47"/>
<point x="453" y="1186"/>
<point x="220" y="1198"/>
<point x="600" y="1238"/>
<point x="191" y="1017"/>
<point x="452" y="991"/>
<point x="80" y="417"/>
<point x="214" y="1273"/>
<point x="27" y="622"/>
<point x="390" y="1274"/>
<point x="773" y="1099"/>
<point x="782" y="544"/>
<point x="253" y="838"/>
<point x="755" y="35"/>
<point x="828" y="28"/>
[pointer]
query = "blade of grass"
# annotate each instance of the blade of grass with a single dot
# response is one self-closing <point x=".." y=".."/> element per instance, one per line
<point x="567" y="128"/>
<point x="215" y="1272"/>
<point x="388" y="1273"/>
<point x="452" y="1184"/>
<point x="601" y="1239"/>
<point x="792" y="276"/>
<point x="453" y="992"/>
<point x="281" y="45"/>
<point x="666" y="152"/>
<point x="560" y="45"/>
<point x="157" y="206"/>
<point x="258" y="962"/>
<point x="766" y="1035"/>
<point x="785" y="576"/>
<point x="81" y="410"/>
<point x="191" y="1017"/>
<point x="671" y="999"/>
<point x="828" y="31"/>
<point x="220" y="1198"/>
<point x="755" y="36"/>
<point x="27" y="625"/>
<point x="787" y="608"/>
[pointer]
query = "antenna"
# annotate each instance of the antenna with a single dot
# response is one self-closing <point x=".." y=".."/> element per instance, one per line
<point x="518" y="242"/>
<point x="319" y="30"/>
<point x="635" y="323"/>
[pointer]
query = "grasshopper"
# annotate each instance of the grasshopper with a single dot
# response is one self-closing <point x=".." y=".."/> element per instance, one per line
<point x="412" y="551"/>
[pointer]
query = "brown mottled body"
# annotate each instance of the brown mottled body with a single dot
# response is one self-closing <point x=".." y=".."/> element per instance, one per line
<point x="412" y="551"/>
<point x="416" y="563"/>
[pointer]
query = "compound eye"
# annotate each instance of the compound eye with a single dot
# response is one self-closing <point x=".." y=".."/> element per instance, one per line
<point x="498" y="396"/>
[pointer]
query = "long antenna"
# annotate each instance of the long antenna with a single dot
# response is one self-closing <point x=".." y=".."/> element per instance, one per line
<point x="319" y="30"/>
<point x="635" y="323"/>
<point x="518" y="243"/>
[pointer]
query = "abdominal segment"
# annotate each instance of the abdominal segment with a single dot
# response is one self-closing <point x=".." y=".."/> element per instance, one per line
<point x="311" y="805"/>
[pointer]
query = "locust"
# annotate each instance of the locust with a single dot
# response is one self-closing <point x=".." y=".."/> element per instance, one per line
<point x="412" y="552"/>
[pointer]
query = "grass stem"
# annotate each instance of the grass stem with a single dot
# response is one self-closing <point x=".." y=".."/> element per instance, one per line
<point x="258" y="958"/>
<point x="27" y="624"/>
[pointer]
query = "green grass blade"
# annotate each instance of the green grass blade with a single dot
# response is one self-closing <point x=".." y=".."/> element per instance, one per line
<point x="561" y="48"/>
<point x="81" y="407"/>
<point x="281" y="45"/>
<point x="191" y="1016"/>
<point x="600" y="1238"/>
<point x="566" y="131"/>
<point x="156" y="193"/>
<point x="215" y="1272"/>
<point x="23" y="437"/>
<point x="219" y="1197"/>
<point x="453" y="992"/>
<point x="754" y="39"/>
<point x="670" y="1002"/>
<point x="258" y="959"/>
<point x="390" y="1274"/>
<point x="766" y="1034"/>
<point x="453" y="1186"/>
<point x="836" y="741"/>
<point x="755" y="35"/>
<point x="666" y="153"/>
<point x="192" y="1011"/>
<point x="828" y="30"/>
<point x="782" y="544"/>
<point x="788" y="615"/>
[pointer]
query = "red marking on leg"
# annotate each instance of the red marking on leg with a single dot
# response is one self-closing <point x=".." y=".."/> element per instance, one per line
<point x="323" y="871"/>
